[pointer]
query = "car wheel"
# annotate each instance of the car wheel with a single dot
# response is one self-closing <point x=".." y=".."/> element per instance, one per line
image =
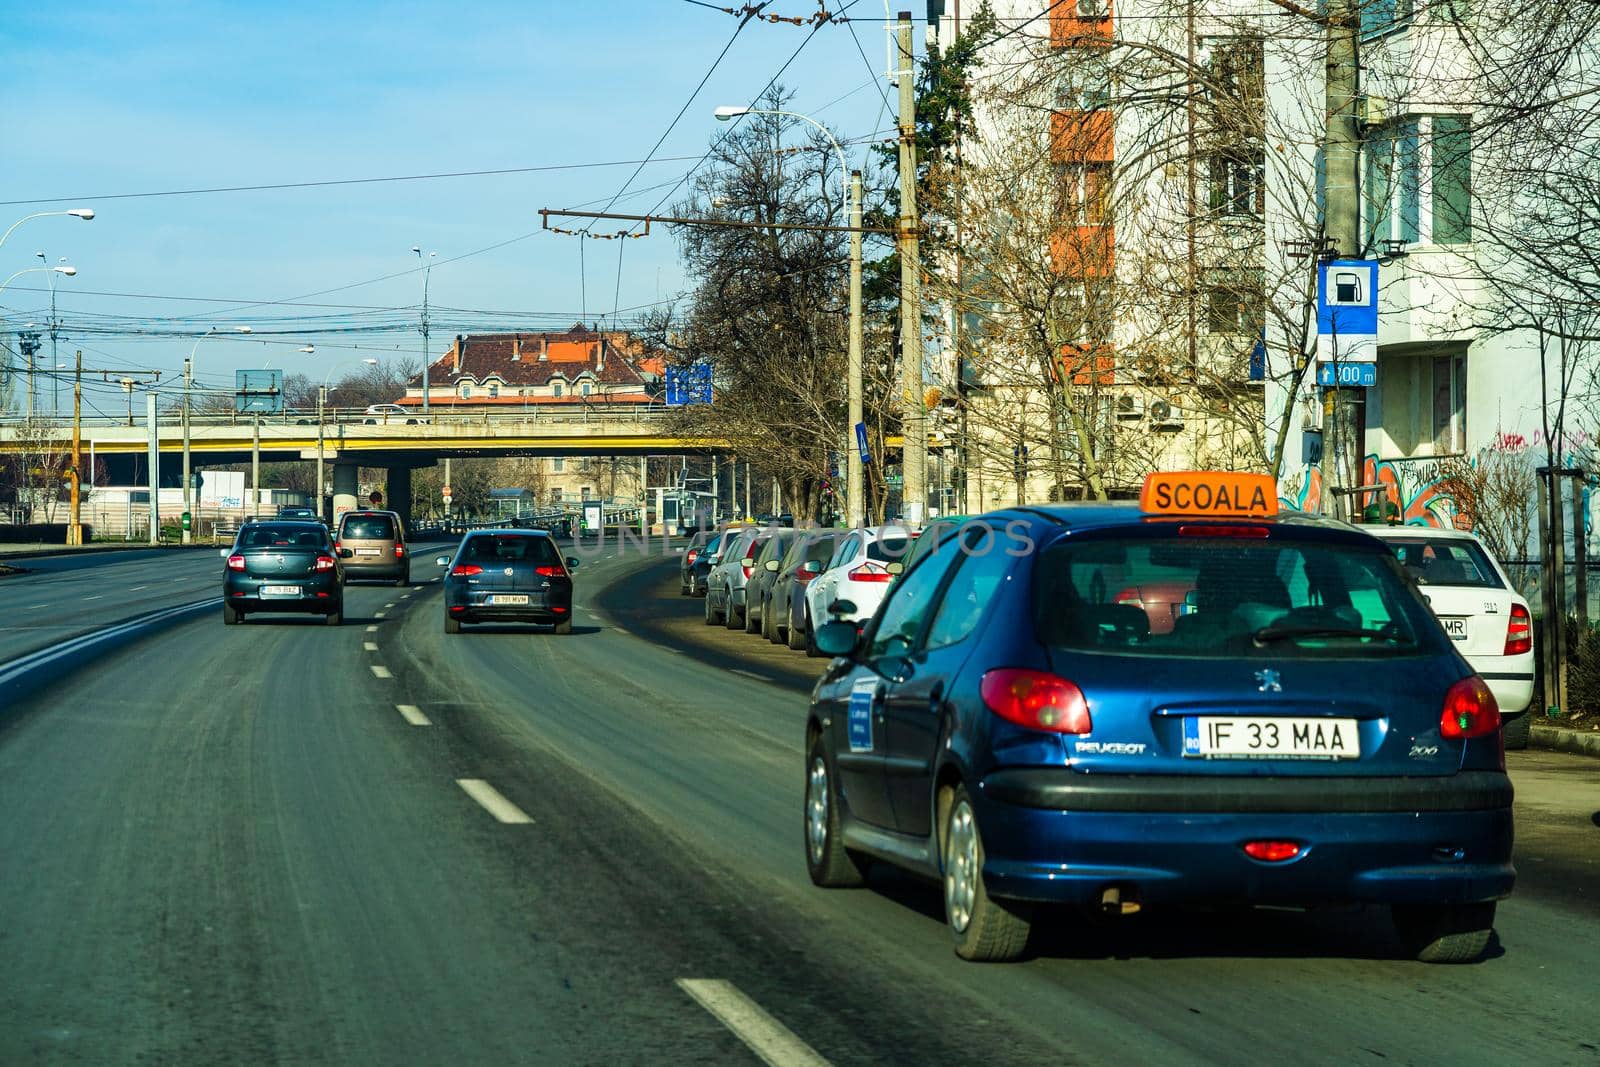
<point x="730" y="618"/>
<point x="984" y="929"/>
<point x="796" y="637"/>
<point x="712" y="618"/>
<point x="1518" y="729"/>
<point x="403" y="581"/>
<point x="1444" y="933"/>
<point x="685" y="589"/>
<point x="335" y="617"/>
<point x="751" y="625"/>
<point x="564" y="626"/>
<point x="452" y="626"/>
<point x="767" y="630"/>
<point x="829" y="863"/>
<point x="811" y="639"/>
<point x="231" y="616"/>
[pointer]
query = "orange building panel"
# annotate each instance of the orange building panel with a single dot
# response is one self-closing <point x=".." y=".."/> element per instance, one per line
<point x="1089" y="365"/>
<point x="1081" y="24"/>
<point x="1081" y="136"/>
<point x="1084" y="251"/>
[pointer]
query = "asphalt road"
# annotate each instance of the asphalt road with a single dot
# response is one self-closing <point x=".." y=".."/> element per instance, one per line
<point x="242" y="844"/>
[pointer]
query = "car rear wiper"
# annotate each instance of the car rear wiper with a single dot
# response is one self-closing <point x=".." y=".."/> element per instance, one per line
<point x="1288" y="633"/>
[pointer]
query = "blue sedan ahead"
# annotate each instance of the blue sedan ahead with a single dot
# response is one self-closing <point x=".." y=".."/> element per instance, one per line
<point x="1192" y="700"/>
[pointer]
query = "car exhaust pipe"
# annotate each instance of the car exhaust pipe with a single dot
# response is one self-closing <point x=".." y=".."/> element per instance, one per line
<point x="1111" y="902"/>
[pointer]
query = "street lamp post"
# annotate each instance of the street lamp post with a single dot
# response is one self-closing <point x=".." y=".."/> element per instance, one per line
<point x="55" y="324"/>
<point x="322" y="399"/>
<point x="84" y="213"/>
<point x="188" y="380"/>
<point x="850" y="185"/>
<point x="427" y="272"/>
<point x="69" y="271"/>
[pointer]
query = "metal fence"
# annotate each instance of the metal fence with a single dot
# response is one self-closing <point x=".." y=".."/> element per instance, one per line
<point x="1527" y="578"/>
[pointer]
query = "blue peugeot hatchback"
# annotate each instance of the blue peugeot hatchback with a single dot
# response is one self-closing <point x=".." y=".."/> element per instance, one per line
<point x="1195" y="699"/>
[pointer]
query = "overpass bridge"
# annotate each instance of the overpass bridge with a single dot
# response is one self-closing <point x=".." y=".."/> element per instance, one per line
<point x="351" y="439"/>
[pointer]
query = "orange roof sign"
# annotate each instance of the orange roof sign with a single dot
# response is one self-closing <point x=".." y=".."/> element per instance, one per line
<point x="1218" y="494"/>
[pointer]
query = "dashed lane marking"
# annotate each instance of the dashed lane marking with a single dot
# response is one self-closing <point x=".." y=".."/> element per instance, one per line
<point x="97" y="596"/>
<point x="775" y="1043"/>
<point x="369" y="646"/>
<point x="749" y="674"/>
<point x="491" y="800"/>
<point x="372" y="629"/>
<point x="380" y="671"/>
<point x="413" y="714"/>
<point x="390" y="604"/>
<point x="377" y="614"/>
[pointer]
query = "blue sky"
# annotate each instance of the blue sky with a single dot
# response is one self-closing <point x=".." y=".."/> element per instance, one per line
<point x="99" y="99"/>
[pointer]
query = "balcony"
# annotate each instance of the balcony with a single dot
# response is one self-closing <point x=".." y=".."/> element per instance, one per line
<point x="1081" y="137"/>
<point x="1081" y="24"/>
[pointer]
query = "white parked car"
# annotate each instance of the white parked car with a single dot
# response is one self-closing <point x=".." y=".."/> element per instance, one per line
<point x="1487" y="619"/>
<point x="860" y="573"/>
<point x="383" y="413"/>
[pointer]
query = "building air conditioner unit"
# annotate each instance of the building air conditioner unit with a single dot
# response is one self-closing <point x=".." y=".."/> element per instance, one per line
<point x="1165" y="415"/>
<point x="1093" y="9"/>
<point x="1129" y="407"/>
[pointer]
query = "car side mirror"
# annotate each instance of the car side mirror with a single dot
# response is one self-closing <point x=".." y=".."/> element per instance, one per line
<point x="347" y="553"/>
<point x="895" y="567"/>
<point x="811" y="567"/>
<point x="772" y="565"/>
<point x="572" y="563"/>
<point x="443" y="561"/>
<point x="748" y="561"/>
<point x="836" y="638"/>
<point x="225" y="552"/>
<point x="895" y="668"/>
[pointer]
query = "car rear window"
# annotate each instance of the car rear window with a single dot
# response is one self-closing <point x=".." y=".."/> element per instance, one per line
<point x="889" y="548"/>
<point x="820" y="550"/>
<point x="368" y="528"/>
<point x="1445" y="561"/>
<point x="511" y="547"/>
<point x="1227" y="598"/>
<point x="271" y="535"/>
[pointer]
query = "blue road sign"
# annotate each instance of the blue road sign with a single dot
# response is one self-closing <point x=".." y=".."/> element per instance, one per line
<point x="1360" y="374"/>
<point x="689" y="385"/>
<point x="861" y="442"/>
<point x="259" y="391"/>
<point x="1347" y="310"/>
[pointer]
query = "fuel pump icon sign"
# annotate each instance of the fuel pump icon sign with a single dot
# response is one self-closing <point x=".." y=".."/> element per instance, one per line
<point x="1347" y="288"/>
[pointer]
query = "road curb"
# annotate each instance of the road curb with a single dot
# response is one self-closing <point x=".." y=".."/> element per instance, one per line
<point x="1561" y="739"/>
<point x="36" y="552"/>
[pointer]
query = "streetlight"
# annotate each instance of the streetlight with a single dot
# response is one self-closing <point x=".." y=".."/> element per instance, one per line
<point x="427" y="271"/>
<point x="188" y="380"/>
<point x="61" y="268"/>
<point x="850" y="185"/>
<point x="322" y="398"/>
<point x="55" y="329"/>
<point x="84" y="213"/>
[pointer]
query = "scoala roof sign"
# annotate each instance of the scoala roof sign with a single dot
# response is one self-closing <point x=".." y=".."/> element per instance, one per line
<point x="1215" y="494"/>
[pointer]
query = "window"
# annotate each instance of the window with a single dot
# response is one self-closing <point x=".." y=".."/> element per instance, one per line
<point x="559" y="464"/>
<point x="1392" y="180"/>
<point x="1238" y="184"/>
<point x="464" y="390"/>
<point x="900" y="620"/>
<point x="586" y="388"/>
<point x="1085" y="193"/>
<point x="1452" y="179"/>
<point x="557" y="389"/>
<point x="1445" y="561"/>
<point x="1236" y="306"/>
<point x="494" y="389"/>
<point x="983" y="567"/>
<point x="1449" y="405"/>
<point x="1379" y="17"/>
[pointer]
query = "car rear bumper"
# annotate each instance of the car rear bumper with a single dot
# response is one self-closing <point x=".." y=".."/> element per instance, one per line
<point x="388" y="569"/>
<point x="539" y="615"/>
<point x="1385" y="840"/>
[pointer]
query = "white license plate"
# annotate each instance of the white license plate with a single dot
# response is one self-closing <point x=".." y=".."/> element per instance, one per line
<point x="368" y="551"/>
<point x="280" y="590"/>
<point x="1256" y="737"/>
<point x="508" y="598"/>
<point x="1455" y="627"/>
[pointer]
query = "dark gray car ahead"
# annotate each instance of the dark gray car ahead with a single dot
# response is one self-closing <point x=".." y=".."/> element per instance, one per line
<point x="508" y="576"/>
<point x="283" y="567"/>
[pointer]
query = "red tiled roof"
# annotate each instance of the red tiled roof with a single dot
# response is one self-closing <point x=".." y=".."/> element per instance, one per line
<point x="514" y="358"/>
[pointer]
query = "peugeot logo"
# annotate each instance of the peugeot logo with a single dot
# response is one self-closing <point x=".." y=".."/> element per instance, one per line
<point x="1268" y="681"/>
<point x="508" y="572"/>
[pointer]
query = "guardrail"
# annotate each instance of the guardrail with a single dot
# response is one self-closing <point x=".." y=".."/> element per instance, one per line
<point x="531" y="415"/>
<point x="562" y="520"/>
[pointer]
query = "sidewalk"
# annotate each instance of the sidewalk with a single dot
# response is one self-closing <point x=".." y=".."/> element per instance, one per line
<point x="1564" y="739"/>
<point x="13" y="550"/>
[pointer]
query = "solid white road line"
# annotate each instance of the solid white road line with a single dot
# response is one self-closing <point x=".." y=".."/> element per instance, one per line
<point x="413" y="714"/>
<point x="372" y="629"/>
<point x="766" y="1036"/>
<point x="491" y="800"/>
<point x="749" y="674"/>
<point x="136" y="588"/>
<point x="369" y="646"/>
<point x="380" y="671"/>
<point x="97" y="596"/>
<point x="619" y="629"/>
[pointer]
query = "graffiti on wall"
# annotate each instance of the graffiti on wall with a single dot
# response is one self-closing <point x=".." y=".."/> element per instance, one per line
<point x="1412" y="486"/>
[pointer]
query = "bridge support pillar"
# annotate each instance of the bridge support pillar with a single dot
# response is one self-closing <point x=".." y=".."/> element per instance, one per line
<point x="398" y="493"/>
<point x="345" y="477"/>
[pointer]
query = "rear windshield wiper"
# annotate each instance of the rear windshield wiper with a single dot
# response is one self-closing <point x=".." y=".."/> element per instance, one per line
<point x="1288" y="633"/>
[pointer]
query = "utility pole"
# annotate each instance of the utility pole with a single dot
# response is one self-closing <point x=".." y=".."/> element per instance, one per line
<point x="75" y="476"/>
<point x="855" y="477"/>
<point x="914" y="450"/>
<point x="427" y="273"/>
<point x="155" y="466"/>
<point x="1341" y="152"/>
<point x="255" y="463"/>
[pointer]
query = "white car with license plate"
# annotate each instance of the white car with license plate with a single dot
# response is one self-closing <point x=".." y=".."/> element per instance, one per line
<point x="859" y="574"/>
<point x="1487" y="619"/>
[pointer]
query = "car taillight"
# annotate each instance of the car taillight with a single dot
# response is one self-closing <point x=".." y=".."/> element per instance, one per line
<point x="326" y="563"/>
<point x="1469" y="710"/>
<point x="693" y="554"/>
<point x="1222" y="531"/>
<point x="463" y="569"/>
<point x="236" y="562"/>
<point x="1519" y="632"/>
<point x="1271" y="851"/>
<point x="870" y="572"/>
<point x="747" y="572"/>
<point x="547" y="571"/>
<point x="399" y="551"/>
<point x="1036" y="699"/>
